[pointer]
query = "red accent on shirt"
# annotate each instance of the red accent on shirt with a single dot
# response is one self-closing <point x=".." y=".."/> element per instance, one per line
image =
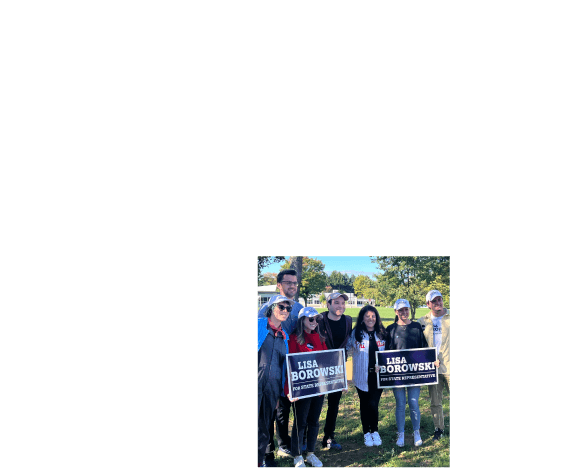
<point x="276" y="330"/>
<point x="294" y="347"/>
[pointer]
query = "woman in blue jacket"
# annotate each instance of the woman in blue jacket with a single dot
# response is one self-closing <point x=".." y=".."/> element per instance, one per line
<point x="272" y="348"/>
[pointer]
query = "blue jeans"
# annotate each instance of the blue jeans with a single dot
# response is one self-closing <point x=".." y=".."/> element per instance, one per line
<point x="413" y="396"/>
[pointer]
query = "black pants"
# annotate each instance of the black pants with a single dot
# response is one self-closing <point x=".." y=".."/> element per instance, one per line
<point x="307" y="412"/>
<point x="267" y="400"/>
<point x="332" y="414"/>
<point x="369" y="405"/>
<point x="281" y="419"/>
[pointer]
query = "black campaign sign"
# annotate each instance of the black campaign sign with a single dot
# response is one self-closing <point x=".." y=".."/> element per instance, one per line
<point x="403" y="368"/>
<point x="316" y="372"/>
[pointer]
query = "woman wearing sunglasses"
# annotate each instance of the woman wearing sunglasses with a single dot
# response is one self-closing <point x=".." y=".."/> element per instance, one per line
<point x="366" y="339"/>
<point x="272" y="348"/>
<point x="306" y="338"/>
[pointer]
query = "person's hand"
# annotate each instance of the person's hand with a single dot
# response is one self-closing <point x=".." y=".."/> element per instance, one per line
<point x="437" y="363"/>
<point x="291" y="399"/>
<point x="377" y="368"/>
<point x="345" y="391"/>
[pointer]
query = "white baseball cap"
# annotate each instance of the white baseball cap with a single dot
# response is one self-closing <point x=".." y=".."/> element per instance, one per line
<point x="277" y="298"/>
<point x="335" y="295"/>
<point x="308" y="312"/>
<point x="401" y="303"/>
<point x="432" y="295"/>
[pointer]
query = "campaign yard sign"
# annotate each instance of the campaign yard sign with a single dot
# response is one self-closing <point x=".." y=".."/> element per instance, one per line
<point x="404" y="368"/>
<point x="316" y="372"/>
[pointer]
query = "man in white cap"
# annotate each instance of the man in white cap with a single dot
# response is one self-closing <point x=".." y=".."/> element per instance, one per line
<point x="287" y="285"/>
<point x="436" y="329"/>
<point x="336" y="328"/>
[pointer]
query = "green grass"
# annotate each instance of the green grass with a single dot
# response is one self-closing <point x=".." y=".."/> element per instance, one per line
<point x="350" y="434"/>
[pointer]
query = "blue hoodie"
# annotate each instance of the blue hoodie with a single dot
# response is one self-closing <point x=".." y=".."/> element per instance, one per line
<point x="263" y="330"/>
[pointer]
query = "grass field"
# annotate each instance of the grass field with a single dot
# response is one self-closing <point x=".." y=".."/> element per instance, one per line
<point x="350" y="433"/>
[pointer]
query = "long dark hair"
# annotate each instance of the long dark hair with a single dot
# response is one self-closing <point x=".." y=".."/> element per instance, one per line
<point x="360" y="326"/>
<point x="299" y="330"/>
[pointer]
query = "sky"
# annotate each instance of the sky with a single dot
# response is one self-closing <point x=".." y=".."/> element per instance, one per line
<point x="358" y="265"/>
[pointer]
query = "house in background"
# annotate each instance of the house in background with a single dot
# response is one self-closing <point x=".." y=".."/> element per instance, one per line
<point x="353" y="301"/>
<point x="267" y="292"/>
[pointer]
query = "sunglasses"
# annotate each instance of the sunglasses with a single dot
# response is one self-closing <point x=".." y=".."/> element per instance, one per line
<point x="285" y="307"/>
<point x="312" y="319"/>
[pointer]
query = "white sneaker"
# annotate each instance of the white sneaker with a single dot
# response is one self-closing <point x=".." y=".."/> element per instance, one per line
<point x="299" y="461"/>
<point x="417" y="438"/>
<point x="313" y="460"/>
<point x="368" y="439"/>
<point x="377" y="441"/>
<point x="400" y="441"/>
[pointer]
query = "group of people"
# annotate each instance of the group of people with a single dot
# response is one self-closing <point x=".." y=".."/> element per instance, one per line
<point x="285" y="326"/>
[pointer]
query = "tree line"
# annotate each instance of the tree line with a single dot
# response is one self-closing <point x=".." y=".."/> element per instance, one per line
<point x="401" y="277"/>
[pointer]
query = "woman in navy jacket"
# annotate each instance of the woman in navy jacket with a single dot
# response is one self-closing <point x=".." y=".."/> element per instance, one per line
<point x="272" y="348"/>
<point x="404" y="334"/>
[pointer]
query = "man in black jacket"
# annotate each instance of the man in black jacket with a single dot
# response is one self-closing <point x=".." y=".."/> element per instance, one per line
<point x="336" y="327"/>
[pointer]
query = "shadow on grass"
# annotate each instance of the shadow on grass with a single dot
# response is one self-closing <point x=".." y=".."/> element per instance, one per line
<point x="349" y="434"/>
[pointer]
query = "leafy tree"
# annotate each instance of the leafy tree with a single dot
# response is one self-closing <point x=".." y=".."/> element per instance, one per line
<point x="385" y="289"/>
<point x="443" y="288"/>
<point x="350" y="282"/>
<point x="337" y="280"/>
<point x="264" y="261"/>
<point x="268" y="279"/>
<point x="425" y="268"/>
<point x="313" y="277"/>
<point x="408" y="277"/>
<point x="361" y="284"/>
<point x="370" y="293"/>
<point x="322" y="300"/>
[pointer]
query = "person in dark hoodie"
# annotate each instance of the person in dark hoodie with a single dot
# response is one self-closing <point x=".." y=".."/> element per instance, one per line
<point x="404" y="334"/>
<point x="336" y="329"/>
<point x="272" y="348"/>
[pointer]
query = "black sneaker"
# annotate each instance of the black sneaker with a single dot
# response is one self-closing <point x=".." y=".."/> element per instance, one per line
<point x="437" y="434"/>
<point x="331" y="443"/>
<point x="269" y="461"/>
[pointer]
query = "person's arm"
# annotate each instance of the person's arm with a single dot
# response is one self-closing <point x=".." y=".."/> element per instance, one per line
<point x="350" y="347"/>
<point x="424" y="343"/>
<point x="388" y="340"/>
<point x="262" y="311"/>
<point x="293" y="345"/>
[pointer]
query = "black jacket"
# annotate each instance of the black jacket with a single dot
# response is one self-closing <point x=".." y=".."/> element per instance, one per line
<point x="415" y="337"/>
<point x="324" y="328"/>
